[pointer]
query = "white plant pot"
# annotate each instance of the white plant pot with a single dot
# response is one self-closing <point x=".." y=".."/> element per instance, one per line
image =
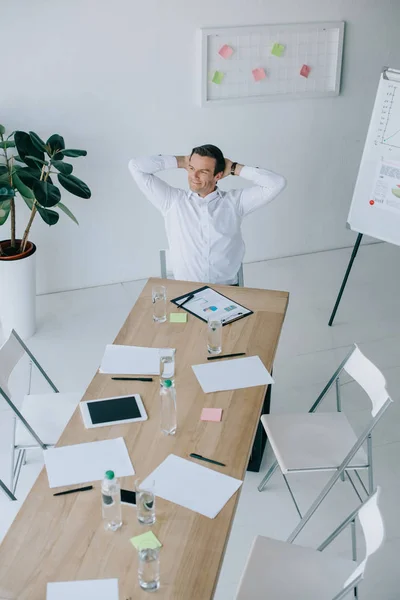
<point x="18" y="295"/>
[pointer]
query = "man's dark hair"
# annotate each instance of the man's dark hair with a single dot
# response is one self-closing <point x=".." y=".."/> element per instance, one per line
<point x="212" y="152"/>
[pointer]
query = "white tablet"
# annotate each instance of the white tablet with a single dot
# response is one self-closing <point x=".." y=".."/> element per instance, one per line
<point x="113" y="411"/>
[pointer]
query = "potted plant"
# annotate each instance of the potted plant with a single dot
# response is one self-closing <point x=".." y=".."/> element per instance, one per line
<point x="28" y="168"/>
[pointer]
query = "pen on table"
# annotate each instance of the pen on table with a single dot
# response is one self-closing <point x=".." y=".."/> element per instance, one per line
<point x="190" y="297"/>
<point x="82" y="489"/>
<point x="231" y="317"/>
<point x="210" y="460"/>
<point x="132" y="378"/>
<point x="226" y="356"/>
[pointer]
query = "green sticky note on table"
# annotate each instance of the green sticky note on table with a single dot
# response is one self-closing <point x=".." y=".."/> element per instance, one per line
<point x="178" y="318"/>
<point x="218" y="77"/>
<point x="145" y="540"/>
<point x="278" y="49"/>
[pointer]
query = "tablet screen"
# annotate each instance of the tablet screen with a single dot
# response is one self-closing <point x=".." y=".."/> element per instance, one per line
<point x="117" y="409"/>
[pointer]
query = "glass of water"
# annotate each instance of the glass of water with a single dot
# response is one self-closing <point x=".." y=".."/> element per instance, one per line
<point x="214" y="335"/>
<point x="159" y="299"/>
<point x="149" y="569"/>
<point x="145" y="503"/>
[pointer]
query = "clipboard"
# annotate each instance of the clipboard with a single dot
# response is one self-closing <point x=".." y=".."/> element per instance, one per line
<point x="206" y="302"/>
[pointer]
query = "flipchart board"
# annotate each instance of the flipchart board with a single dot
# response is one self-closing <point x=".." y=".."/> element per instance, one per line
<point x="375" y="208"/>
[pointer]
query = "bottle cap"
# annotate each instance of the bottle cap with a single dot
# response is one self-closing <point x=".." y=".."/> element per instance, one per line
<point x="110" y="475"/>
<point x="167" y="383"/>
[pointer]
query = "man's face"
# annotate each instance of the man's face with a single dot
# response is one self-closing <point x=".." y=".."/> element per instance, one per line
<point x="201" y="174"/>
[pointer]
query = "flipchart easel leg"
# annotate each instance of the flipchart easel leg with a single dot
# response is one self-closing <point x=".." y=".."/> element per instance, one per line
<point x="353" y="255"/>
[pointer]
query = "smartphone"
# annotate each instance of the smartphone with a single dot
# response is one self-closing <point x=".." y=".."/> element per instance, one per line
<point x="128" y="497"/>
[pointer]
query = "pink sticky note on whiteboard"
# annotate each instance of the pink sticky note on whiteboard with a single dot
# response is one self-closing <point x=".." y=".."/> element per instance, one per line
<point x="226" y="51"/>
<point x="211" y="414"/>
<point x="259" y="74"/>
<point x="305" y="70"/>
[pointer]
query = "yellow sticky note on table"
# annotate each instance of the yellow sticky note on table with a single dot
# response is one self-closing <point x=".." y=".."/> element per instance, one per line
<point x="218" y="77"/>
<point x="145" y="540"/>
<point x="178" y="318"/>
<point x="278" y="49"/>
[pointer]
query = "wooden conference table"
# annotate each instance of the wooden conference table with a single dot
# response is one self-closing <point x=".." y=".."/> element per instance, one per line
<point x="63" y="538"/>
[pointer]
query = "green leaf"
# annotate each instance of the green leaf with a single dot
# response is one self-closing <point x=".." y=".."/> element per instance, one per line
<point x="6" y="191"/>
<point x="2" y="130"/>
<point x="49" y="216"/>
<point x="4" y="211"/>
<point x="29" y="176"/>
<point x="18" y="158"/>
<point x="3" y="169"/>
<point x="37" y="141"/>
<point x="56" y="143"/>
<point x="22" y="188"/>
<point x="67" y="212"/>
<point x="26" y="149"/>
<point x="74" y="185"/>
<point x="74" y="153"/>
<point x="6" y="145"/>
<point x="28" y="202"/>
<point x="38" y="160"/>
<point x="64" y="168"/>
<point x="46" y="194"/>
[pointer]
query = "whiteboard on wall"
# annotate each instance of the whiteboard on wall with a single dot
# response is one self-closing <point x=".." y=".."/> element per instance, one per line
<point x="265" y="62"/>
<point x="375" y="207"/>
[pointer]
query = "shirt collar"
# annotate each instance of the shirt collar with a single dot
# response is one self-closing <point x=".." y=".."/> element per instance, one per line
<point x="215" y="194"/>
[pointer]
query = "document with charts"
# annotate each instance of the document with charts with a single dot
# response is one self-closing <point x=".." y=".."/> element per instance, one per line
<point x="206" y="302"/>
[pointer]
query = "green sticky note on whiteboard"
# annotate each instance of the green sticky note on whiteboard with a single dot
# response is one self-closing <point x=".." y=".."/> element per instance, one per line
<point x="178" y="318"/>
<point x="218" y="77"/>
<point x="146" y="540"/>
<point x="278" y="49"/>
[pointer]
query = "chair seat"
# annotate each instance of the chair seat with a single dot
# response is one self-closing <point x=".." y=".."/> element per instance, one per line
<point x="278" y="570"/>
<point x="47" y="414"/>
<point x="312" y="441"/>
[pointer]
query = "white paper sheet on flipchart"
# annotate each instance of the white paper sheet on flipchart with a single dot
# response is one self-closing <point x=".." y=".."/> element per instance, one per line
<point x="195" y="487"/>
<point x="83" y="463"/>
<point x="232" y="374"/>
<point x="132" y="360"/>
<point x="91" y="589"/>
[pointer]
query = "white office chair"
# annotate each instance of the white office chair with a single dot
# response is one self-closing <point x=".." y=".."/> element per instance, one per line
<point x="279" y="570"/>
<point x="166" y="269"/>
<point x="41" y="417"/>
<point x="326" y="441"/>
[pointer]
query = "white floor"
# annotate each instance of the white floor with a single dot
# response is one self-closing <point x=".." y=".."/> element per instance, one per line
<point x="75" y="326"/>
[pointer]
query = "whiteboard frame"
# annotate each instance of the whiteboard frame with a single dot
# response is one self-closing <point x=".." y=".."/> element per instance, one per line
<point x="205" y="32"/>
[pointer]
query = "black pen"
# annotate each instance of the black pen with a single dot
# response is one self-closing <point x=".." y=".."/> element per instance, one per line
<point x="132" y="378"/>
<point x="214" y="462"/>
<point x="82" y="489"/>
<point x="190" y="297"/>
<point x="226" y="356"/>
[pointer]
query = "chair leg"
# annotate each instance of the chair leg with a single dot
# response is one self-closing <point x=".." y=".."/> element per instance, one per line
<point x="339" y="409"/>
<point x="292" y="495"/>
<point x="268" y="476"/>
<point x="18" y="466"/>
<point x="370" y="466"/>
<point x="7" y="492"/>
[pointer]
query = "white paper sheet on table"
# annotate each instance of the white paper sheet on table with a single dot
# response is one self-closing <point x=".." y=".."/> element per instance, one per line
<point x="221" y="375"/>
<point x="92" y="589"/>
<point x="132" y="360"/>
<point x="190" y="485"/>
<point x="82" y="463"/>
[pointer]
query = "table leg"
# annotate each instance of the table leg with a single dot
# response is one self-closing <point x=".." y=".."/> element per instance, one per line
<point x="261" y="437"/>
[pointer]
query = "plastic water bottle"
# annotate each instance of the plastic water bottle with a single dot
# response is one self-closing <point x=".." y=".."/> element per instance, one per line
<point x="111" y="501"/>
<point x="168" y="407"/>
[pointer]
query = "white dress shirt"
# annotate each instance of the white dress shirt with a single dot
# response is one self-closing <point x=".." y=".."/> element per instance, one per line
<point x="204" y="234"/>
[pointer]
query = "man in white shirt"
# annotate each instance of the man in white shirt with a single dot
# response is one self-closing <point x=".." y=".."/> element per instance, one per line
<point x="203" y="224"/>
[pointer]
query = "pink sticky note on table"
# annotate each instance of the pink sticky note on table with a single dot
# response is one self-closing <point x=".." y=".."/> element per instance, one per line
<point x="259" y="74"/>
<point x="226" y="51"/>
<point x="211" y="414"/>
<point x="305" y="70"/>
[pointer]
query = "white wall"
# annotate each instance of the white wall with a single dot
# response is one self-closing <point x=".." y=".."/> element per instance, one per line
<point x="118" y="79"/>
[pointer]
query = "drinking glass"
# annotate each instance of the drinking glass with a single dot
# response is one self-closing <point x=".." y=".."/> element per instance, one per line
<point x="149" y="569"/>
<point x="159" y="299"/>
<point x="145" y="502"/>
<point x="214" y="336"/>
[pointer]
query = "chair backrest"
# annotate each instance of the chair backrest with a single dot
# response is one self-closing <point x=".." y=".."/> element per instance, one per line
<point x="369" y="377"/>
<point x="371" y="521"/>
<point x="167" y="273"/>
<point x="11" y="353"/>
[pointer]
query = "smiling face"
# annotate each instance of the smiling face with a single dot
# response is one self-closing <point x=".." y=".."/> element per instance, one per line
<point x="201" y="177"/>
